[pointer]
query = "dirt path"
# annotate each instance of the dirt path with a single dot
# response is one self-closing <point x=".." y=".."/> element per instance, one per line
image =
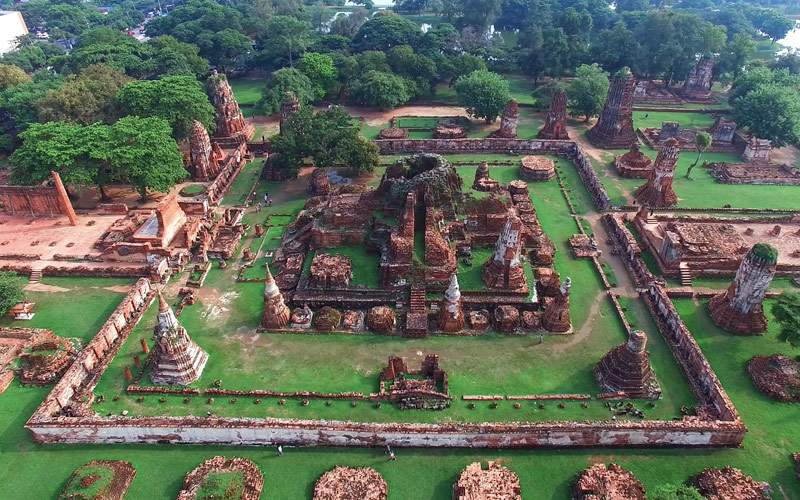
<point x="372" y="116"/>
<point x="788" y="155"/>
<point x="585" y="330"/>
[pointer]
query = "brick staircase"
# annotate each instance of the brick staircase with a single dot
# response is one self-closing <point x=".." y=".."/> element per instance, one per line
<point x="36" y="275"/>
<point x="685" y="274"/>
<point x="417" y="315"/>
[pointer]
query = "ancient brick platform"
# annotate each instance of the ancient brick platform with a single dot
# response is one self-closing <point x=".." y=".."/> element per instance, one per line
<point x="495" y="482"/>
<point x="730" y="483"/>
<point x="253" y="480"/>
<point x="351" y="483"/>
<point x="777" y="376"/>
<point x="115" y="488"/>
<point x="612" y="481"/>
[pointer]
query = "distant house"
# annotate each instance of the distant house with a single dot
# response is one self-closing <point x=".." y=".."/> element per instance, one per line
<point x="11" y="26"/>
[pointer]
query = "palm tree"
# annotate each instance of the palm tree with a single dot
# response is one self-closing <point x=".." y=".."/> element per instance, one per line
<point x="702" y="140"/>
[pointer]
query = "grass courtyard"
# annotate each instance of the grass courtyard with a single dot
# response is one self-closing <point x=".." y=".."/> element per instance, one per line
<point x="226" y="316"/>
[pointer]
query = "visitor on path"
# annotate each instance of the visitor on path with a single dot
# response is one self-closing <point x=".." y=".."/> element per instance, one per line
<point x="280" y="450"/>
<point x="392" y="457"/>
<point x="259" y="207"/>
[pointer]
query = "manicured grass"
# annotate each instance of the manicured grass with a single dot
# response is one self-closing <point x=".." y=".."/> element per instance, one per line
<point x="243" y="184"/>
<point x="654" y="119"/>
<point x="417" y="122"/>
<point x="247" y="90"/>
<point x="702" y="190"/>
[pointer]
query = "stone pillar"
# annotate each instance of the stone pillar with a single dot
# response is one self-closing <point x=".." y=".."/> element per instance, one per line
<point x="556" y="315"/>
<point x="289" y="106"/>
<point x="276" y="312"/>
<point x="739" y="308"/>
<point x="555" y="124"/>
<point x="614" y="128"/>
<point x="658" y="192"/>
<point x="698" y="81"/>
<point x="63" y="199"/>
<point x="177" y="360"/>
<point x="504" y="268"/>
<point x="451" y="312"/>
<point x="508" y="121"/>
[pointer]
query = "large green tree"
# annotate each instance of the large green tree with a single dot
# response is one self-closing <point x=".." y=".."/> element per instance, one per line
<point x="10" y="291"/>
<point x="320" y="70"/>
<point x="483" y="93"/>
<point x="11" y="75"/>
<point x="287" y="80"/>
<point x="178" y="99"/>
<point x="771" y="112"/>
<point x="282" y="40"/>
<point x="380" y="90"/>
<point x="85" y="98"/>
<point x="586" y="93"/>
<point x="787" y="312"/>
<point x="143" y="154"/>
<point x="385" y="31"/>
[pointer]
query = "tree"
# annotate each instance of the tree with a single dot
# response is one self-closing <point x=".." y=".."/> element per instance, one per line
<point x="109" y="47"/>
<point x="287" y="80"/>
<point x="737" y="53"/>
<point x="674" y="492"/>
<point x="615" y="48"/>
<point x="144" y="154"/>
<point x="385" y="31"/>
<point x="773" y="24"/>
<point x="380" y="90"/>
<point x="480" y="13"/>
<point x="702" y="141"/>
<point x="328" y="137"/>
<point x="283" y="38"/>
<point x="223" y="48"/>
<point x="179" y="99"/>
<point x="483" y="93"/>
<point x="11" y="75"/>
<point x="85" y="98"/>
<point x="173" y="57"/>
<point x="10" y="291"/>
<point x="787" y="311"/>
<point x="77" y="153"/>
<point x="348" y="25"/>
<point x="587" y="91"/>
<point x="320" y="70"/>
<point x="31" y="54"/>
<point x="749" y="81"/>
<point x="771" y="112"/>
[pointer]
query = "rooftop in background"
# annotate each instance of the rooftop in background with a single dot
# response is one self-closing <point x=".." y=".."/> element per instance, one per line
<point x="11" y="26"/>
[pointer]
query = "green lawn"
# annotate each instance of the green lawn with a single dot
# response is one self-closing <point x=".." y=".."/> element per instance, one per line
<point x="247" y="90"/>
<point x="243" y="184"/>
<point x="654" y="119"/>
<point x="365" y="264"/>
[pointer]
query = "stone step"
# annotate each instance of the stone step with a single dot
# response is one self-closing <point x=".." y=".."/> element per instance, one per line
<point x="685" y="274"/>
<point x="36" y="276"/>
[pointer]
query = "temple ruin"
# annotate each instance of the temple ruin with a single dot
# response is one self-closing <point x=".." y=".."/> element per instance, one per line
<point x="351" y="483"/>
<point x="176" y="359"/>
<point x="204" y="160"/>
<point x="425" y="388"/>
<point x="231" y="128"/>
<point x="555" y="123"/>
<point x="634" y="164"/>
<point x="451" y="311"/>
<point x="697" y="86"/>
<point x="504" y="269"/>
<point x="612" y="481"/>
<point x="626" y="370"/>
<point x="276" y="312"/>
<point x="739" y="308"/>
<point x="728" y="483"/>
<point x="508" y="121"/>
<point x="556" y="316"/>
<point x="658" y="192"/>
<point x="614" y="127"/>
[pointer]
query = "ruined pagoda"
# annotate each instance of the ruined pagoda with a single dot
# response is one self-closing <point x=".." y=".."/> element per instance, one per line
<point x="504" y="268"/>
<point x="451" y="312"/>
<point x="555" y="123"/>
<point x="556" y="316"/>
<point x="276" y="312"/>
<point x="698" y="82"/>
<point x="626" y="368"/>
<point x="614" y="128"/>
<point x="739" y="309"/>
<point x="204" y="161"/>
<point x="508" y="121"/>
<point x="658" y="192"/>
<point x="177" y="360"/>
<point x="230" y="121"/>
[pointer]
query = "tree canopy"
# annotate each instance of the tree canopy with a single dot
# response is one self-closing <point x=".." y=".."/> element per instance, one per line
<point x="483" y="93"/>
<point x="586" y="94"/>
<point x="178" y="99"/>
<point x="787" y="312"/>
<point x="10" y="291"/>
<point x="85" y="98"/>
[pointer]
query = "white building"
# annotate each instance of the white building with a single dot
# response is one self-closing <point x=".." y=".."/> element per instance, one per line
<point x="11" y="26"/>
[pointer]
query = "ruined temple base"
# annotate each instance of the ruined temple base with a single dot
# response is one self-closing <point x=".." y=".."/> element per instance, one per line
<point x="252" y="479"/>
<point x="116" y="487"/>
<point x="599" y="481"/>
<point x="648" y="196"/>
<point x="351" y="483"/>
<point x="494" y="482"/>
<point x="777" y="376"/>
<point x="733" y="321"/>
<point x="623" y="140"/>
<point x="728" y="483"/>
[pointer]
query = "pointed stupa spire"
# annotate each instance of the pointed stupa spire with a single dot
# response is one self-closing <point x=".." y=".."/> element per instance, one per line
<point x="451" y="315"/>
<point x="276" y="312"/>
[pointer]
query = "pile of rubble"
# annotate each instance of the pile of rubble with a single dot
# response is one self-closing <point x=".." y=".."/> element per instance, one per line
<point x="633" y="164"/>
<point x="476" y="483"/>
<point x="85" y="479"/>
<point x="331" y="271"/>
<point x="350" y="483"/>
<point x="777" y="376"/>
<point x="46" y="359"/>
<point x="599" y="481"/>
<point x="729" y="483"/>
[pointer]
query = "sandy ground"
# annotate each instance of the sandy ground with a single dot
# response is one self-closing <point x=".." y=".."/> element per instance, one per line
<point x="788" y="155"/>
<point x="41" y="287"/>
